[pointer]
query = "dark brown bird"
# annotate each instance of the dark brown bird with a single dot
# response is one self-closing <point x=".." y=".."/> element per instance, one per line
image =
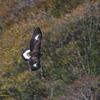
<point x="33" y="54"/>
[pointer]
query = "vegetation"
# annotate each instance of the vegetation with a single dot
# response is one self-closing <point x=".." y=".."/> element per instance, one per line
<point x="70" y="66"/>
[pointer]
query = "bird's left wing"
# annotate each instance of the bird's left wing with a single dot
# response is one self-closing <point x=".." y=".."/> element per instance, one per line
<point x="37" y="36"/>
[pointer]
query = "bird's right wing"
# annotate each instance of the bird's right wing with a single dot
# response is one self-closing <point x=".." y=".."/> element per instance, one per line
<point x="34" y="63"/>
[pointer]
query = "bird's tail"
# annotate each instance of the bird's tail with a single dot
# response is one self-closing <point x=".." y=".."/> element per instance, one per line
<point x="25" y="54"/>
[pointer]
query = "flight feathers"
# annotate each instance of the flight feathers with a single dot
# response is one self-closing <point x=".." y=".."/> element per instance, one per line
<point x="34" y="54"/>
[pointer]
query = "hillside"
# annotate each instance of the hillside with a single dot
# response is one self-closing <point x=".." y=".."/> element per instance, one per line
<point x="70" y="66"/>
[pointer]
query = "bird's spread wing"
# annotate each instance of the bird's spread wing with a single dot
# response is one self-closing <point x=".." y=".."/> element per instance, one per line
<point x="37" y="37"/>
<point x="35" y="44"/>
<point x="33" y="55"/>
<point x="34" y="63"/>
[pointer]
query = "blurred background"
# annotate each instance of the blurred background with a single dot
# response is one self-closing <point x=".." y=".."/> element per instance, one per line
<point x="70" y="66"/>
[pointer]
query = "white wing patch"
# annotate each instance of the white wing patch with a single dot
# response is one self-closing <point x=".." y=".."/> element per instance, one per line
<point x="35" y="65"/>
<point x="26" y="55"/>
<point x="36" y="38"/>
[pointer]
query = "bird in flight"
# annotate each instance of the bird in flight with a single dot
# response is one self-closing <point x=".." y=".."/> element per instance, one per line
<point x="33" y="54"/>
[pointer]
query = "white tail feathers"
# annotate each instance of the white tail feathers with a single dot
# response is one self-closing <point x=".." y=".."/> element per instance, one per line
<point x="26" y="55"/>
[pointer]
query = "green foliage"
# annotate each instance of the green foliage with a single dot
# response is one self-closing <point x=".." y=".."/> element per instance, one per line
<point x="58" y="8"/>
<point x="68" y="54"/>
<point x="95" y="59"/>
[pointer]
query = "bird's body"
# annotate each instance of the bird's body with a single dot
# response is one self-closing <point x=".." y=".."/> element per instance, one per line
<point x="33" y="54"/>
